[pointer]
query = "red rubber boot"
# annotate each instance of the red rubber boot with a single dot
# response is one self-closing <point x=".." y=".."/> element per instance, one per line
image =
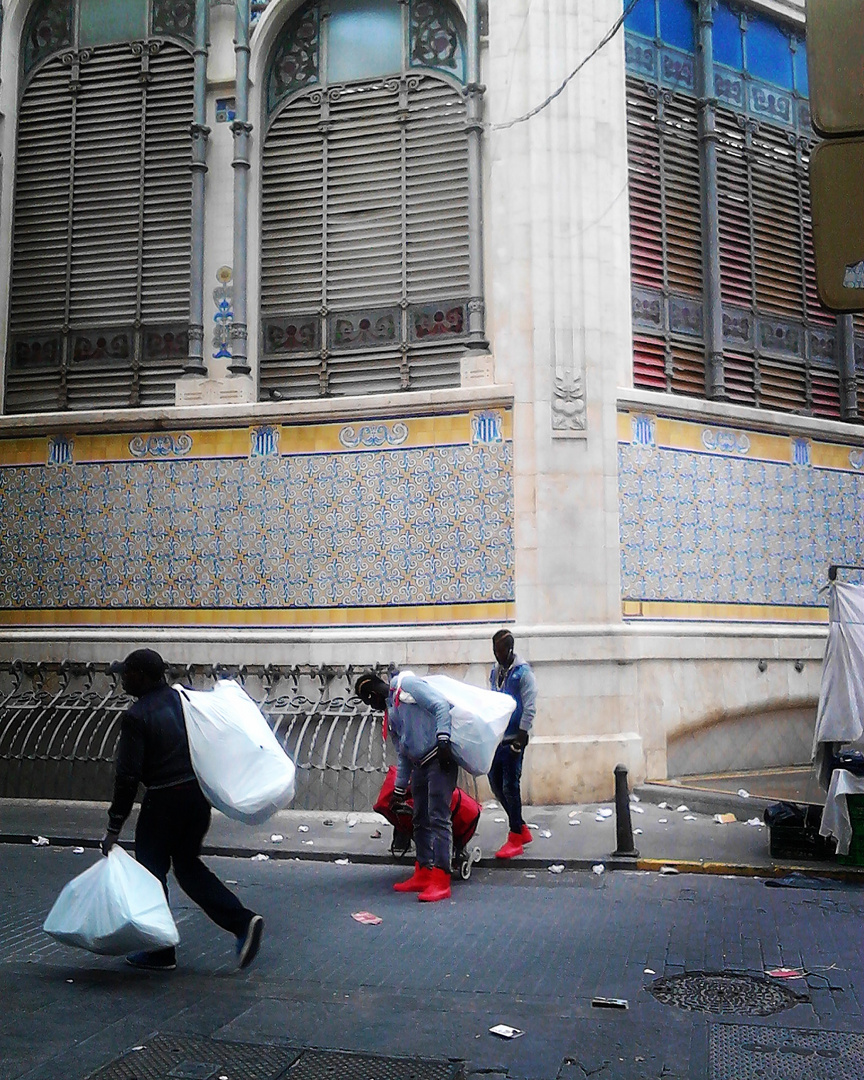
<point x="511" y="848"/>
<point x="418" y="880"/>
<point x="526" y="835"/>
<point x="438" y="887"/>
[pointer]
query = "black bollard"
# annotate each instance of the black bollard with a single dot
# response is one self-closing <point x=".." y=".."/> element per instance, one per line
<point x="623" y="824"/>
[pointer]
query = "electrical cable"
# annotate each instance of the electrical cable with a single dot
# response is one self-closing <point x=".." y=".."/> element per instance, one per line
<point x="613" y="30"/>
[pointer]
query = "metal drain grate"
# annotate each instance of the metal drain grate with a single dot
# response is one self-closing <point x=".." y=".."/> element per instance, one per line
<point x="180" y="1057"/>
<point x="335" y="1065"/>
<point x="724" y="992"/>
<point x="747" y="1052"/>
<point x="177" y="1057"/>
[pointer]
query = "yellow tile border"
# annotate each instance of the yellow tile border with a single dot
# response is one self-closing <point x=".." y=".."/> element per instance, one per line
<point x="676" y="434"/>
<point x="492" y="611"/>
<point x="350" y="436"/>
<point x="706" y="612"/>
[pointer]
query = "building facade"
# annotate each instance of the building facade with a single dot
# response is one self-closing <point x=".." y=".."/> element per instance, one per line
<point x="344" y="331"/>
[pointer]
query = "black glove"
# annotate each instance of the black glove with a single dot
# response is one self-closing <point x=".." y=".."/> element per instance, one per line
<point x="444" y="753"/>
<point x="108" y="841"/>
<point x="520" y="741"/>
<point x="399" y="802"/>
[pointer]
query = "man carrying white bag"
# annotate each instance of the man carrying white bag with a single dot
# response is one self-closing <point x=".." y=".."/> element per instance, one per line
<point x="175" y="814"/>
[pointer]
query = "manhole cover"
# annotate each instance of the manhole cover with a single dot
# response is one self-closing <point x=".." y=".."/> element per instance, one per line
<point x="334" y="1065"/>
<point x="180" y="1057"/>
<point x="724" y="992"/>
<point x="747" y="1052"/>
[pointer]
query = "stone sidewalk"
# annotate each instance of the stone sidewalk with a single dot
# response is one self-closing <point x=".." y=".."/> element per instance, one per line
<point x="672" y="826"/>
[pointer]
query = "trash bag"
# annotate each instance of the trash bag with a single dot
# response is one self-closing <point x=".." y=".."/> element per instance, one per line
<point x="240" y="765"/>
<point x="478" y="720"/>
<point x="115" y="907"/>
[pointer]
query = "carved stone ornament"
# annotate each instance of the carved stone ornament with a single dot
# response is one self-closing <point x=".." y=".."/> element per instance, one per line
<point x="568" y="404"/>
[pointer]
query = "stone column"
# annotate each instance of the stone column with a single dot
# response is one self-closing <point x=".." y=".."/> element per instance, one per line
<point x="560" y="293"/>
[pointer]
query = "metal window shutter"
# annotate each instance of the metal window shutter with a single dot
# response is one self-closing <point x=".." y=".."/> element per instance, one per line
<point x="436" y="164"/>
<point x="40" y="231"/>
<point x="688" y="369"/>
<point x="167" y="214"/>
<point x="643" y="161"/>
<point x="370" y="213"/>
<point x="776" y="213"/>
<point x="649" y="362"/>
<point x="733" y="198"/>
<point x="682" y="203"/>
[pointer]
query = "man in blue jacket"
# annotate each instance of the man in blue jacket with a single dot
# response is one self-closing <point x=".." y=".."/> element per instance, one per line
<point x="418" y="719"/>
<point x="174" y="818"/>
<point x="512" y="675"/>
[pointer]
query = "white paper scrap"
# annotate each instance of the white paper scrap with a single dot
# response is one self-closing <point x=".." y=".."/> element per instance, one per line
<point x="668" y="870"/>
<point x="276" y="838"/>
<point x="260" y="857"/>
<point x="682" y="809"/>
<point x="744" y="793"/>
<point x="599" y="868"/>
<point x="556" y="868"/>
<point x="636" y="809"/>
<point x="302" y="828"/>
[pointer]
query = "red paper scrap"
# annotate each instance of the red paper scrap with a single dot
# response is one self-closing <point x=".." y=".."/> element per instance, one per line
<point x="366" y="917"/>
<point x="785" y="973"/>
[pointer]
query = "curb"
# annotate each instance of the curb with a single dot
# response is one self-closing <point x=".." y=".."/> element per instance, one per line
<point x="682" y="866"/>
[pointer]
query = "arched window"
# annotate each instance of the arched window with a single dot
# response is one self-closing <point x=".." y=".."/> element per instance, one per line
<point x="99" y="305"/>
<point x="365" y="189"/>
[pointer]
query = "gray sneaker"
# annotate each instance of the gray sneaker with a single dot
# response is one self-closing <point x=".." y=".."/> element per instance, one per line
<point x="249" y="943"/>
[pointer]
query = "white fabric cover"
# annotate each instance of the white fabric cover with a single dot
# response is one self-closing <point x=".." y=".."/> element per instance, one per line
<point x="835" y="817"/>
<point x="115" y="907"/>
<point x="240" y="765"/>
<point x="478" y="720"/>
<point x="840" y="716"/>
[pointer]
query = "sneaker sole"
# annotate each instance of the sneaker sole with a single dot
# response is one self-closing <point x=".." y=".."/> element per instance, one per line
<point x="151" y="967"/>
<point x="252" y="942"/>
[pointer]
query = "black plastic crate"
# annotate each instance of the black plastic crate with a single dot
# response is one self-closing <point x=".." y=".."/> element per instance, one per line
<point x="802" y="841"/>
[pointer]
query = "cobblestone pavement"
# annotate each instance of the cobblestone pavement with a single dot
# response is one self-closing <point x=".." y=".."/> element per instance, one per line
<point x="527" y="948"/>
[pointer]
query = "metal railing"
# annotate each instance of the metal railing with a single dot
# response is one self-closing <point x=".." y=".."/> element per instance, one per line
<point x="59" y="725"/>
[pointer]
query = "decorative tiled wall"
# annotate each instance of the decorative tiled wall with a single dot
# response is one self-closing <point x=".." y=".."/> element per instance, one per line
<point x="727" y="523"/>
<point x="406" y="520"/>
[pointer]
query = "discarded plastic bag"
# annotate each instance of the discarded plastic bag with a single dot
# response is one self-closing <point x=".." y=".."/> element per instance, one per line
<point x="115" y="907"/>
<point x="478" y="720"/>
<point x="241" y="767"/>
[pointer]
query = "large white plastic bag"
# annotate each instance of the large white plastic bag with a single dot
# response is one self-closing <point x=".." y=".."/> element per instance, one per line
<point x="241" y="767"/>
<point x="478" y="720"/>
<point x="115" y="907"/>
<point x="840" y="716"/>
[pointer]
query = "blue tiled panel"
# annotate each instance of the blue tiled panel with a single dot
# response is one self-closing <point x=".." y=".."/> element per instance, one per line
<point x="711" y="528"/>
<point x="429" y="525"/>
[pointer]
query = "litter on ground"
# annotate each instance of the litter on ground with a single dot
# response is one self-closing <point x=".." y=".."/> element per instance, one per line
<point x="758" y="822"/>
<point x="573" y="813"/>
<point x="743" y="793"/>
<point x="352" y="820"/>
<point x="341" y="862"/>
<point x="375" y="835"/>
<point x="302" y="828"/>
<point x="609" y="1003"/>
<point x="309" y="843"/>
<point x="366" y="918"/>
<point x="77" y="850"/>
<point x="276" y="838"/>
<point x="604" y="812"/>
<point x="662" y="820"/>
<point x="786" y="973"/>
<point x="556" y="868"/>
<point x="636" y="809"/>
<point x="499" y="820"/>
<point x="40" y="841"/>
<point x="637" y="832"/>
<point x="725" y="819"/>
<point x="504" y="1031"/>
<point x="650" y="971"/>
<point x="635" y="798"/>
<point x="532" y="824"/>
<point x="575" y="821"/>
<point x="682" y="809"/>
<point x="599" y="868"/>
<point x="689" y="817"/>
<point x="662" y="805"/>
<point x="668" y="870"/>
<point x="260" y="857"/>
<point x="545" y="833"/>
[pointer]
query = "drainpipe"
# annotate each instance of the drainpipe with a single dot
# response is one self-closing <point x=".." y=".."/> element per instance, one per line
<point x="474" y="91"/>
<point x="195" y="362"/>
<point x="715" y="386"/>
<point x="241" y="128"/>
<point x="846" y="367"/>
